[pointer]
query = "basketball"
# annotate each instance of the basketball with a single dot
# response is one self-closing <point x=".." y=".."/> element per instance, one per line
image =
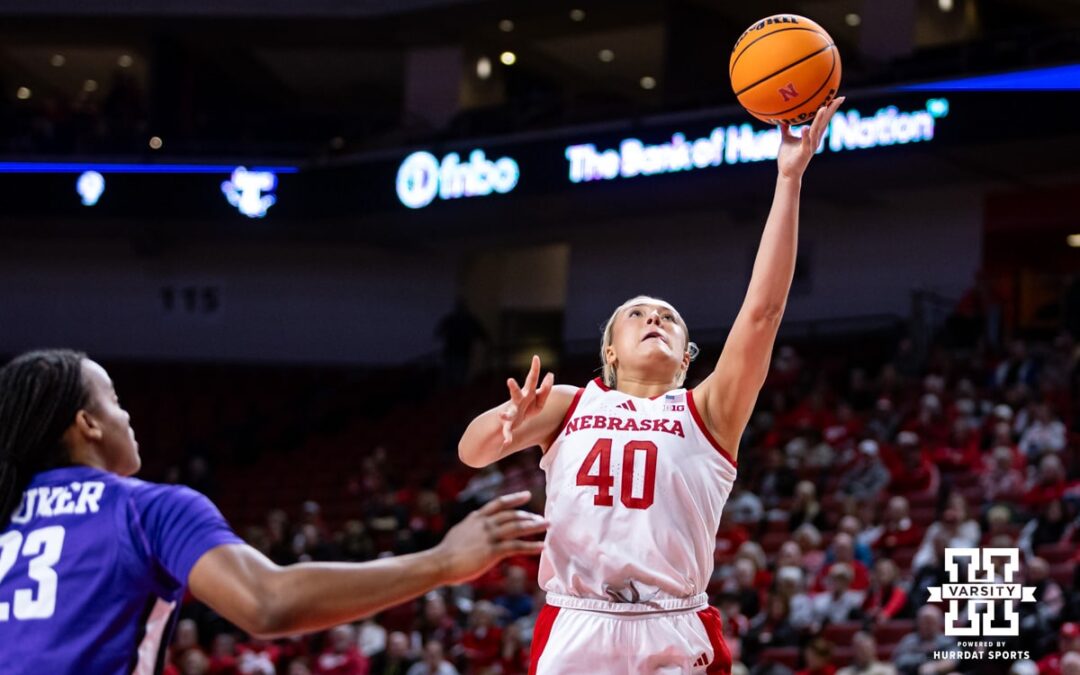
<point x="783" y="68"/>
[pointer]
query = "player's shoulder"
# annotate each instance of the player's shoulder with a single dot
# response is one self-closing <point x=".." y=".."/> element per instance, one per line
<point x="149" y="493"/>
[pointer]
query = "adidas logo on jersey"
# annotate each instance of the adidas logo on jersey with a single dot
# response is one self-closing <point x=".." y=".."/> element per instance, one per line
<point x="702" y="662"/>
<point x="627" y="405"/>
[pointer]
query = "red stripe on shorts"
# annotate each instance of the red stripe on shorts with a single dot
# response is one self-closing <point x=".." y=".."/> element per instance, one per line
<point x="541" y="633"/>
<point x="714" y="628"/>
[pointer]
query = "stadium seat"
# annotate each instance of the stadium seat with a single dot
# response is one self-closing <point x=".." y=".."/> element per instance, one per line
<point x="788" y="656"/>
<point x="840" y="634"/>
<point x="892" y="631"/>
<point x="1057" y="553"/>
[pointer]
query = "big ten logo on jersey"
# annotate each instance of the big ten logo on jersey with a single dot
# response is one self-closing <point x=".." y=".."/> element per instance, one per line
<point x="674" y="402"/>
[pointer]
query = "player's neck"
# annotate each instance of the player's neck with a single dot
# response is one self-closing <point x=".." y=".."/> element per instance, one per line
<point x="642" y="387"/>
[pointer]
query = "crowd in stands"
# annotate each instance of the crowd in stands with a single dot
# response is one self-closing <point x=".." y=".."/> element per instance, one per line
<point x="854" y="478"/>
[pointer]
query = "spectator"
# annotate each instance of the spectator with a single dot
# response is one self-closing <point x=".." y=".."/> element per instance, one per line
<point x="436" y="625"/>
<point x="913" y="473"/>
<point x="1001" y="480"/>
<point x="1018" y="368"/>
<point x="745" y="506"/>
<point x="818" y="656"/>
<point x="886" y="599"/>
<point x="770" y="628"/>
<point x="1068" y="643"/>
<point x="843" y="551"/>
<point x="516" y="601"/>
<point x="896" y="531"/>
<point x="223" y="657"/>
<point x="187" y="639"/>
<point x="258" y="657"/>
<point x="483" y="638"/>
<point x="1050" y="599"/>
<point x="298" y="666"/>
<point x="790" y="585"/>
<point x="852" y="526"/>
<point x="776" y="481"/>
<point x="864" y="658"/>
<point x="806" y="509"/>
<point x="884" y="422"/>
<point x="394" y="660"/>
<point x="1046" y="433"/>
<point x="959" y="530"/>
<point x="809" y="540"/>
<point x="1049" y="527"/>
<point x="867" y="477"/>
<point x="513" y="653"/>
<point x="743" y="588"/>
<point x="370" y="636"/>
<point x="194" y="662"/>
<point x="433" y="662"/>
<point x="931" y="572"/>
<point x="789" y="555"/>
<point x="840" y="602"/>
<point x="914" y="653"/>
<point x="729" y="537"/>
<point x="1050" y="483"/>
<point x="341" y="655"/>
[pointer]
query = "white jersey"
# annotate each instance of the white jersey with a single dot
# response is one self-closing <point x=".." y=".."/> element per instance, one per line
<point x="635" y="487"/>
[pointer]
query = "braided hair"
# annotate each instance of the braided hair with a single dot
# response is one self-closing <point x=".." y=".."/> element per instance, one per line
<point x="40" y="394"/>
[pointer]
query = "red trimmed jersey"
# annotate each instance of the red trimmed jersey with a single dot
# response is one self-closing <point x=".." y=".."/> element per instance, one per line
<point x="635" y="488"/>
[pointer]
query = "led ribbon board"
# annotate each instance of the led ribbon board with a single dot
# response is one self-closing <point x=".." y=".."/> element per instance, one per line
<point x="739" y="144"/>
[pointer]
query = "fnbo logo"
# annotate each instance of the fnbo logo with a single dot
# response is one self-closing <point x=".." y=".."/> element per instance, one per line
<point x="421" y="177"/>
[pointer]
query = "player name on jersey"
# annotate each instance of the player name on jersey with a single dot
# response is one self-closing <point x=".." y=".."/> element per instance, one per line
<point x="667" y="426"/>
<point x="46" y="502"/>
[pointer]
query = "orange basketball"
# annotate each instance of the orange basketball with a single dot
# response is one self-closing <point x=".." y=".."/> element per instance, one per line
<point x="784" y="68"/>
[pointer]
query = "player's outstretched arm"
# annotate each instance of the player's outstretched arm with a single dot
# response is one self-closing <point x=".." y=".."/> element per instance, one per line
<point x="727" y="396"/>
<point x="531" y="417"/>
<point x="267" y="600"/>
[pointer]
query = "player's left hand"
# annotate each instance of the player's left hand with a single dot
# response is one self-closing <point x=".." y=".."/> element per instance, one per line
<point x="796" y="151"/>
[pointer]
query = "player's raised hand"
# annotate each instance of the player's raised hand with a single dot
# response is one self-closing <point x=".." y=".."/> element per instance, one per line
<point x="525" y="401"/>
<point x="489" y="534"/>
<point x="796" y="151"/>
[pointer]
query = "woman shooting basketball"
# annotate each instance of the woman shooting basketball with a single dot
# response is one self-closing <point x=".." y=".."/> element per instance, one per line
<point x="638" y="469"/>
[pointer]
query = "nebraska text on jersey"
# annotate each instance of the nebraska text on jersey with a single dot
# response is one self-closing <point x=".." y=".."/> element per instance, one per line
<point x="667" y="426"/>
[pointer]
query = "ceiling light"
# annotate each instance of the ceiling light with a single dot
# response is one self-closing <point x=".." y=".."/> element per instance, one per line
<point x="577" y="15"/>
<point x="508" y="58"/>
<point x="1073" y="240"/>
<point x="648" y="82"/>
<point x="606" y="55"/>
<point x="155" y="142"/>
<point x="90" y="86"/>
<point x="125" y="61"/>
<point x="22" y="93"/>
<point x="852" y="19"/>
<point x="945" y="5"/>
<point x="483" y="67"/>
<point x="506" y="25"/>
<point x="57" y="60"/>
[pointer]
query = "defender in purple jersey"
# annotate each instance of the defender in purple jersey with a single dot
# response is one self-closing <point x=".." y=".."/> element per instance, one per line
<point x="93" y="564"/>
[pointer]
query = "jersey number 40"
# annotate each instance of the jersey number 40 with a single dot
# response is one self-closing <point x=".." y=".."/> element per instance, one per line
<point x="603" y="481"/>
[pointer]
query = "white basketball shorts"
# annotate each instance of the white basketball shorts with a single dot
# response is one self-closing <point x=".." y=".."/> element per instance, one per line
<point x="582" y="642"/>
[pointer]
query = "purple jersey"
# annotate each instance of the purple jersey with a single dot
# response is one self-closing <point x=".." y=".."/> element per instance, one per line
<point x="92" y="569"/>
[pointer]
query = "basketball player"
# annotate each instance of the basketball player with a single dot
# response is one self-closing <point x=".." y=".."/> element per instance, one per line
<point x="94" y="564"/>
<point x="638" y="468"/>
